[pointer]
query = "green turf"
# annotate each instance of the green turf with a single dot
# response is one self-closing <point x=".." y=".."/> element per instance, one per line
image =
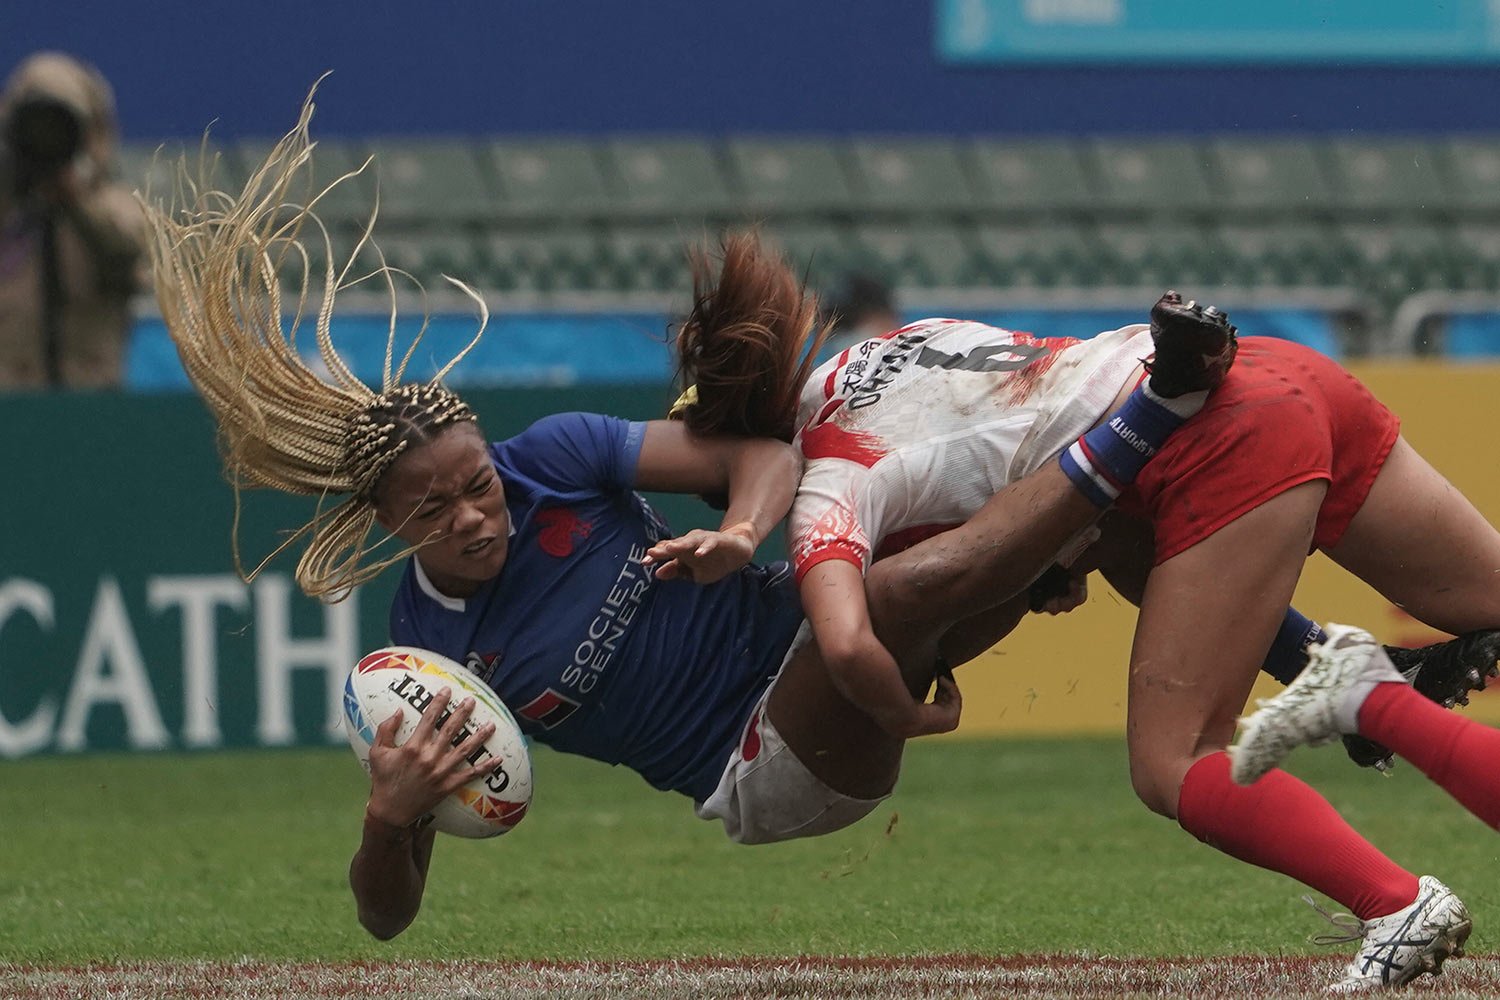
<point x="988" y="847"/>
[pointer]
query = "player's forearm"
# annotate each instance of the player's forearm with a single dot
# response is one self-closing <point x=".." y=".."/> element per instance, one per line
<point x="862" y="668"/>
<point x="388" y="875"/>
<point x="762" y="482"/>
<point x="971" y="636"/>
<point x="984" y="562"/>
<point x="866" y="673"/>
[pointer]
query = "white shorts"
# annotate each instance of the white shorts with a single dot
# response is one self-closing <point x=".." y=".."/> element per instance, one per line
<point x="767" y="795"/>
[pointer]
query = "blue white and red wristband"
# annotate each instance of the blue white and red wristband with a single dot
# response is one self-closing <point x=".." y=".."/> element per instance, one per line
<point x="1091" y="482"/>
<point x="1107" y="459"/>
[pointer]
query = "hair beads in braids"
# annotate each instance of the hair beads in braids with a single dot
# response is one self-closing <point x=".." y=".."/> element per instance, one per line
<point x="396" y="419"/>
<point x="219" y="261"/>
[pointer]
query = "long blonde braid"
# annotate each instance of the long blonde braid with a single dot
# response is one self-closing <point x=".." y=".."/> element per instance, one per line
<point x="219" y="261"/>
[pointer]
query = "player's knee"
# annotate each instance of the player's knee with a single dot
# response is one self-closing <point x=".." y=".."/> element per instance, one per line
<point x="1155" y="786"/>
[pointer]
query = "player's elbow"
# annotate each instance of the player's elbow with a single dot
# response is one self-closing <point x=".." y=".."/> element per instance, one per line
<point x="846" y="653"/>
<point x="383" y="926"/>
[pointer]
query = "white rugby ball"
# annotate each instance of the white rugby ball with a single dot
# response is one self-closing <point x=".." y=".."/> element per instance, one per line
<point x="405" y="679"/>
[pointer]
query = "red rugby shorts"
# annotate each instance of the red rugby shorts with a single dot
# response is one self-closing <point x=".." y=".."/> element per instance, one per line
<point x="1285" y="415"/>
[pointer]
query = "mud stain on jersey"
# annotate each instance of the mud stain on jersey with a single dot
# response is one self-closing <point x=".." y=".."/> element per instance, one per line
<point x="1022" y="383"/>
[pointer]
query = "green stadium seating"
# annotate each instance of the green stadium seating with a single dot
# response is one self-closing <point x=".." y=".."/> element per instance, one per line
<point x="1391" y="175"/>
<point x="547" y="179"/>
<point x="551" y="259"/>
<point x="431" y="181"/>
<point x="1160" y="255"/>
<point x="1478" y="249"/>
<point x="1399" y="259"/>
<point x="1474" y="173"/>
<point x="1151" y="175"/>
<point x="1031" y="175"/>
<point x="785" y="177"/>
<point x="154" y="166"/>
<point x="820" y="252"/>
<point x="1291" y="254"/>
<point x="430" y="256"/>
<point x="911" y="175"/>
<point x="649" y="258"/>
<point x="350" y="202"/>
<point x="1385" y="217"/>
<point x="1034" y="255"/>
<point x="678" y="179"/>
<point x="1280" y="176"/>
<point x="917" y="255"/>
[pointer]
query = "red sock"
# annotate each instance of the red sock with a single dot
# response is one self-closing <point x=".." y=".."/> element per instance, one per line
<point x="1457" y="753"/>
<point x="1281" y="824"/>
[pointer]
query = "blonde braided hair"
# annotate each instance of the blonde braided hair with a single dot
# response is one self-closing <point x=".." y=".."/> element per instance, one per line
<point x="218" y="261"/>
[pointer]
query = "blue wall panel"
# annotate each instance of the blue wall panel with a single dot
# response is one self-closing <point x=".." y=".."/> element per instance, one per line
<point x="672" y="66"/>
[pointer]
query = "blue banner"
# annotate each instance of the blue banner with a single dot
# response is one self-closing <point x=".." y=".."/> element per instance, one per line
<point x="1192" y="31"/>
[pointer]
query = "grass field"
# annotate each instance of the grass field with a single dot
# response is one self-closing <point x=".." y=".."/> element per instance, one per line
<point x="183" y="875"/>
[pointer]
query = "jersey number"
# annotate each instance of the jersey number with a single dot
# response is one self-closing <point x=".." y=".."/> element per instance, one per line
<point x="984" y="358"/>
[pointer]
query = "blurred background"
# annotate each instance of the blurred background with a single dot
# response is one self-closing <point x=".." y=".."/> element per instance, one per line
<point x="1328" y="172"/>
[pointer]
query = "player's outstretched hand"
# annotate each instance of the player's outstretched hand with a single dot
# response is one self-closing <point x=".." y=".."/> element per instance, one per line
<point x="408" y="781"/>
<point x="702" y="556"/>
<point x="942" y="713"/>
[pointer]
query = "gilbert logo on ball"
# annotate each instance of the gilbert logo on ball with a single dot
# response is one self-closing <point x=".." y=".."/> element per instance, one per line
<point x="405" y="679"/>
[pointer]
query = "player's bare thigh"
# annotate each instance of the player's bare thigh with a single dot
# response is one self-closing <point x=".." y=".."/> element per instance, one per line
<point x="1208" y="615"/>
<point x="836" y="741"/>
<point x="1421" y="543"/>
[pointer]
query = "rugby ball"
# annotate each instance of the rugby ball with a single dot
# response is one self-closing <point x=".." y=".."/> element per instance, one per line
<point x="405" y="679"/>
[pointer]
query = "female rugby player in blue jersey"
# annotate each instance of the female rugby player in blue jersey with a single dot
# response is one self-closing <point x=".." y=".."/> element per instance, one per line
<point x="527" y="559"/>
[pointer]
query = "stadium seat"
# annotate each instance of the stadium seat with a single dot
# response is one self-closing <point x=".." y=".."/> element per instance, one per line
<point x="1281" y="176"/>
<point x="785" y="177"/>
<point x="1151" y="175"/>
<point x="1397" y="260"/>
<point x="819" y="251"/>
<point x="678" y="179"/>
<point x="1293" y="254"/>
<point x="1478" y="247"/>
<point x="911" y="175"/>
<point x="1030" y="175"/>
<point x="547" y="179"/>
<point x="430" y="181"/>
<point x="1474" y="173"/>
<point x="1391" y="216"/>
<point x="1160" y="255"/>
<point x="1391" y="175"/>
<point x="551" y="259"/>
<point x="152" y="167"/>
<point x="649" y="258"/>
<point x="921" y="255"/>
<point x="352" y="201"/>
<point x="430" y="256"/>
<point x="1038" y="255"/>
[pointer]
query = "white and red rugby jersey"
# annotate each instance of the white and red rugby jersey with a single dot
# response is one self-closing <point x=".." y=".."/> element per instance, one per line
<point x="908" y="434"/>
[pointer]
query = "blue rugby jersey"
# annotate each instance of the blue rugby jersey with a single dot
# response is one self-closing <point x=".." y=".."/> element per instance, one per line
<point x="592" y="653"/>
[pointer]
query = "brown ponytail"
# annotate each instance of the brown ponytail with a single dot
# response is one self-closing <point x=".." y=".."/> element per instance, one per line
<point x="749" y="343"/>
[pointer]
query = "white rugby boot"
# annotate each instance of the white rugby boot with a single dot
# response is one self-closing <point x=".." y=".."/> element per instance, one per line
<point x="1398" y="948"/>
<point x="1320" y="705"/>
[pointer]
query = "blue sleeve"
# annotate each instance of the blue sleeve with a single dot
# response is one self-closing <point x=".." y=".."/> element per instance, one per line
<point x="571" y="451"/>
